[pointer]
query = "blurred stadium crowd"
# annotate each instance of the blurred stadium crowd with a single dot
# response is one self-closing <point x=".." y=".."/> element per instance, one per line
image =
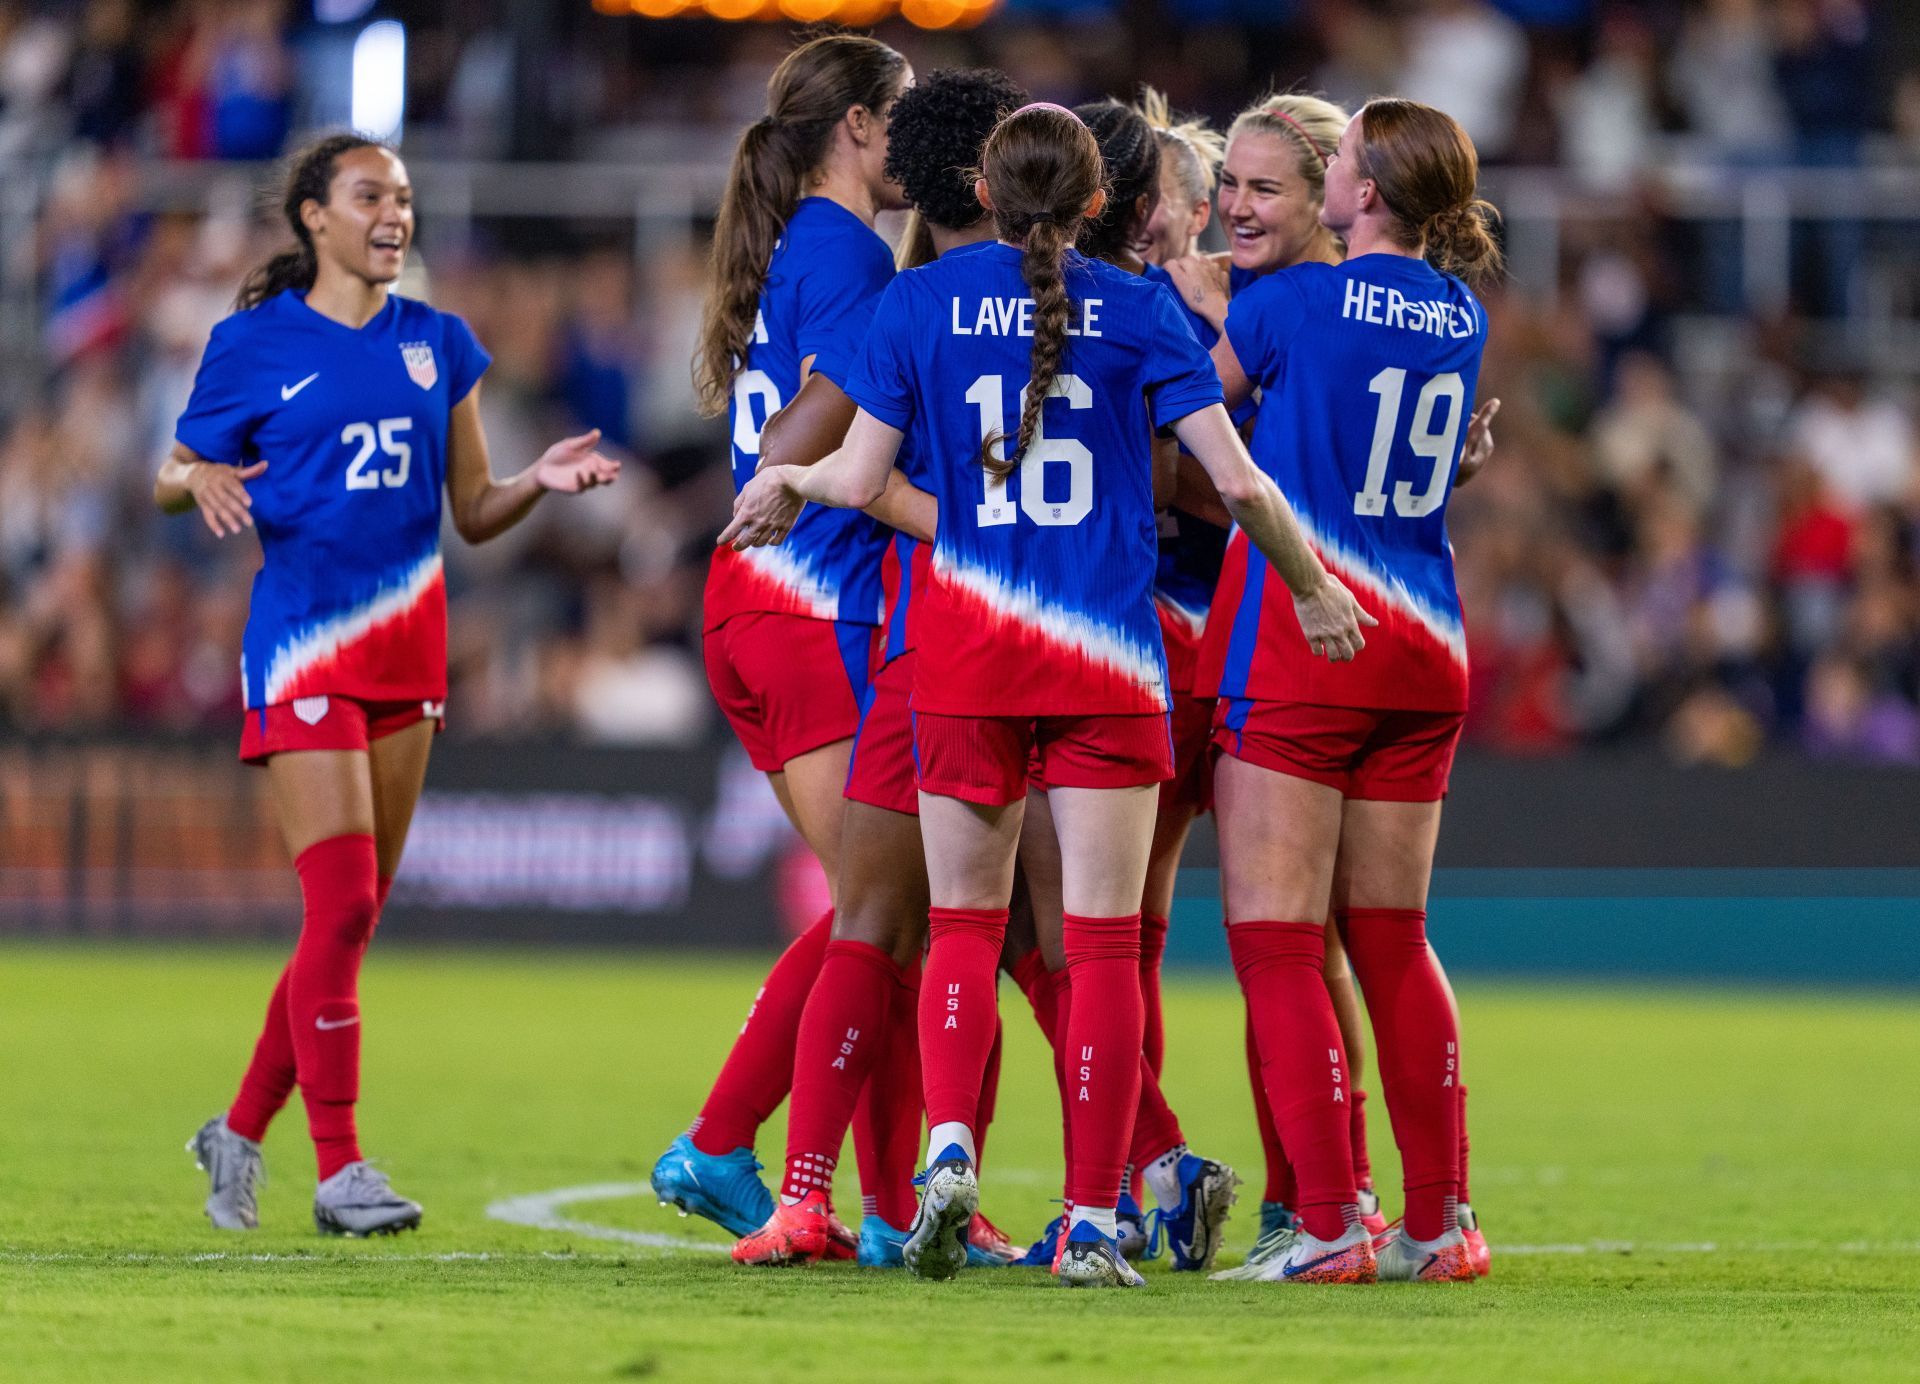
<point x="1716" y="553"/>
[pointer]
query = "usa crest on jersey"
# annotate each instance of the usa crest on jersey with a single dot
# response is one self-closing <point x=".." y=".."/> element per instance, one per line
<point x="420" y="365"/>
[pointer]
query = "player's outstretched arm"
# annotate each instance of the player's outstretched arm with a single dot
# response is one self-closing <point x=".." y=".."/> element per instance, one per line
<point x="484" y="508"/>
<point x="811" y="427"/>
<point x="1330" y="617"/>
<point x="852" y="478"/>
<point x="188" y="480"/>
<point x="906" y="507"/>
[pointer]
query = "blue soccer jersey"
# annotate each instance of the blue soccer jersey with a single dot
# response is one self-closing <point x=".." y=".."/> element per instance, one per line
<point x="1040" y="599"/>
<point x="825" y="276"/>
<point x="352" y="424"/>
<point x="1368" y="370"/>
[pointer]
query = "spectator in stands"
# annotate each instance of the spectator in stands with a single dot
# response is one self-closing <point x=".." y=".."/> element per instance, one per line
<point x="1861" y="445"/>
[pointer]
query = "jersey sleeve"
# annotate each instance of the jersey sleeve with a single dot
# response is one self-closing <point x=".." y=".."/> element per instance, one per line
<point x="223" y="410"/>
<point x="837" y="298"/>
<point x="882" y="382"/>
<point x="1262" y="321"/>
<point x="467" y="359"/>
<point x="1179" y="374"/>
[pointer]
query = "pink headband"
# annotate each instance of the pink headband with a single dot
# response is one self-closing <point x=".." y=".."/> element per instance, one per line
<point x="1045" y="106"/>
<point x="1312" y="143"/>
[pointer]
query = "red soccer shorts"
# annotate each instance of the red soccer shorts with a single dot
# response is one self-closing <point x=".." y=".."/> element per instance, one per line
<point x="329" y="723"/>
<point x="1192" y="783"/>
<point x="986" y="759"/>
<point x="1383" y="756"/>
<point x="788" y="683"/>
<point x="881" y="772"/>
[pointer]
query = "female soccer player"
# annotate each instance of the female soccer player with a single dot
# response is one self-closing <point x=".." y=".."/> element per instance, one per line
<point x="796" y="268"/>
<point x="1047" y="644"/>
<point x="936" y="132"/>
<point x="1368" y="368"/>
<point x="1194" y="1195"/>
<point x="328" y="413"/>
<point x="1272" y="188"/>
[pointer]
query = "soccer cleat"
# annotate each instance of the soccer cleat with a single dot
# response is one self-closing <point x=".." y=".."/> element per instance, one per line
<point x="723" y="1187"/>
<point x="1370" y="1215"/>
<point x="1192" y="1229"/>
<point x="1348" y="1259"/>
<point x="357" y="1201"/>
<point x="234" y="1168"/>
<point x="989" y="1242"/>
<point x="795" y="1234"/>
<point x="1045" y="1251"/>
<point x="842" y="1243"/>
<point x="1131" y="1223"/>
<point x="1277" y="1234"/>
<point x="1092" y="1259"/>
<point x="1444" y="1260"/>
<point x="1477" y="1251"/>
<point x="881" y="1247"/>
<point x="936" y="1244"/>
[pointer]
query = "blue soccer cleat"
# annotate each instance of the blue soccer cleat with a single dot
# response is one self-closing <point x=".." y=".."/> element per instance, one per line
<point x="1192" y="1229"/>
<point x="936" y="1244"/>
<point x="1046" y="1249"/>
<point x="725" y="1187"/>
<point x="1131" y="1223"/>
<point x="1093" y="1260"/>
<point x="883" y="1247"/>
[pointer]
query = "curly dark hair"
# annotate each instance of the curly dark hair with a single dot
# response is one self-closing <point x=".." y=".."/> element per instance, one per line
<point x="934" y="136"/>
<point x="1132" y="155"/>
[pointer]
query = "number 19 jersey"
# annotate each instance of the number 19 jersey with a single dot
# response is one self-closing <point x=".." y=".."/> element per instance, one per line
<point x="352" y="423"/>
<point x="1040" y="599"/>
<point x="1368" y="370"/>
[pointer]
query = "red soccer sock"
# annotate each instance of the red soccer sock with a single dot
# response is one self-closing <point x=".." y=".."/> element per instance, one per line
<point x="270" y="1076"/>
<point x="989" y="1093"/>
<point x="1466" y="1146"/>
<point x="1303" y="1062"/>
<point x="1357" y="1131"/>
<point x="1153" y="946"/>
<point x="959" y="1010"/>
<point x="1156" y="1129"/>
<point x="886" y="1122"/>
<point x="1418" y="1046"/>
<point x="758" y="1071"/>
<point x="339" y="894"/>
<point x="1103" y="1057"/>
<point x="843" y="1032"/>
<point x="1281" y="1187"/>
<point x="1062" y="981"/>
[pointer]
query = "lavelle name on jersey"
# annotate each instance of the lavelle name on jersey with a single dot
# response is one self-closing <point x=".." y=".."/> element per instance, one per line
<point x="1014" y="317"/>
<point x="1389" y="307"/>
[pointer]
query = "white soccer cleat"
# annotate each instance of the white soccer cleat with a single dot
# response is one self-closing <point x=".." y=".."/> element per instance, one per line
<point x="234" y="1168"/>
<point x="1443" y="1260"/>
<point x="357" y="1201"/>
<point x="1348" y="1259"/>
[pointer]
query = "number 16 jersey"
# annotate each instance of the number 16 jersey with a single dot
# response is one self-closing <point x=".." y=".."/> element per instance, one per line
<point x="1040" y="599"/>
<point x="352" y="423"/>
<point x="1369" y="370"/>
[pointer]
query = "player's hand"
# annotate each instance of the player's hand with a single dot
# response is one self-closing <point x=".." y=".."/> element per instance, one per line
<point x="572" y="465"/>
<point x="1479" y="449"/>
<point x="220" y="493"/>
<point x="763" y="513"/>
<point x="1331" y="618"/>
<point x="1204" y="284"/>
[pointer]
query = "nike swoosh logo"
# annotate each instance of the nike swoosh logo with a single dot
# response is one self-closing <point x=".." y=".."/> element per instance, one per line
<point x="1293" y="1269"/>
<point x="287" y="391"/>
<point x="324" y="1026"/>
<point x="692" y="1176"/>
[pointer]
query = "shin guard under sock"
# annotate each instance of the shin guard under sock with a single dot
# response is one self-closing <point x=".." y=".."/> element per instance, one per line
<point x="339" y="896"/>
<point x="1103" y="1056"/>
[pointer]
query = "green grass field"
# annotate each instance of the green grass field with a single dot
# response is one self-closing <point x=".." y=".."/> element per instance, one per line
<point x="1678" y="1185"/>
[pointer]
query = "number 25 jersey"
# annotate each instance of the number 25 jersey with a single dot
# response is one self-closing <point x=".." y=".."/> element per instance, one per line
<point x="1040" y="599"/>
<point x="1368" y="370"/>
<point x="352" y="424"/>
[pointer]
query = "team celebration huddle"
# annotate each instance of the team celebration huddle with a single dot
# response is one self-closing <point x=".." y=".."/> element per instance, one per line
<point x="1050" y="534"/>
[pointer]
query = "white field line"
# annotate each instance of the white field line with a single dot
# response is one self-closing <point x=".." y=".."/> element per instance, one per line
<point x="541" y="1211"/>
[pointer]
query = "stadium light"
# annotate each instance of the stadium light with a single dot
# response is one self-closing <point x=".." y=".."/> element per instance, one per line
<point x="380" y="80"/>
